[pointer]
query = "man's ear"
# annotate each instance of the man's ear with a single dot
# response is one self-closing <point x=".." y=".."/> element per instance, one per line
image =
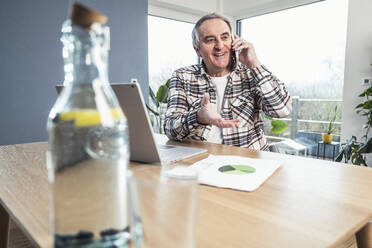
<point x="197" y="51"/>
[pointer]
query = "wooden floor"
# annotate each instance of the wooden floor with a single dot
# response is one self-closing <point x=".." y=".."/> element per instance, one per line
<point x="17" y="239"/>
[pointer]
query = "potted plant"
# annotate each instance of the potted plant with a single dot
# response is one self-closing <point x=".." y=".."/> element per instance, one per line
<point x="353" y="150"/>
<point x="159" y="106"/>
<point x="328" y="137"/>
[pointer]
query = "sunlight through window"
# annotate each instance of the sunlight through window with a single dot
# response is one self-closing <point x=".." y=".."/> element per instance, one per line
<point x="170" y="48"/>
<point x="305" y="48"/>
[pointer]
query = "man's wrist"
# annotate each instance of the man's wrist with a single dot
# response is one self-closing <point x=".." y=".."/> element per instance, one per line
<point x="199" y="117"/>
<point x="254" y="64"/>
<point x="192" y="120"/>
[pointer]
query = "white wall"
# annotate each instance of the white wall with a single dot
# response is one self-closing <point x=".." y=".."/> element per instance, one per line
<point x="240" y="9"/>
<point x="190" y="12"/>
<point x="205" y="6"/>
<point x="357" y="65"/>
<point x="236" y="9"/>
<point x="173" y="13"/>
<point x="181" y="10"/>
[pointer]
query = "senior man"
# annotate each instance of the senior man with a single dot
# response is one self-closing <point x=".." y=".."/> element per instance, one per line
<point x="222" y="99"/>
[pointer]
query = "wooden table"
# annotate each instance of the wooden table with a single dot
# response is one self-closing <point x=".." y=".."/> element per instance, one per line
<point x="305" y="203"/>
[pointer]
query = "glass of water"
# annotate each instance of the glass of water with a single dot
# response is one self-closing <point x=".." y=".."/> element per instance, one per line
<point x="163" y="212"/>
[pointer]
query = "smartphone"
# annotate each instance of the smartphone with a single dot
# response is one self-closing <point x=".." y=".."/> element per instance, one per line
<point x="234" y="54"/>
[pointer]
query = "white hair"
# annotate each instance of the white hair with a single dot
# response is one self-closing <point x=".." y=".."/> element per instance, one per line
<point x="195" y="30"/>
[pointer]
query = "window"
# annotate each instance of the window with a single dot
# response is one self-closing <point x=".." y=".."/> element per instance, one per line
<point x="305" y="48"/>
<point x="170" y="48"/>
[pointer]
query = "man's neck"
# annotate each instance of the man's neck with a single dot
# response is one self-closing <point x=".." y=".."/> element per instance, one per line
<point x="219" y="74"/>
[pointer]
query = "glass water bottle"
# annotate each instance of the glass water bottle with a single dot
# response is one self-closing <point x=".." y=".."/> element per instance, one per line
<point x="88" y="152"/>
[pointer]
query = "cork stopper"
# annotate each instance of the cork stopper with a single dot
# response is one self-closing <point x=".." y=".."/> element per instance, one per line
<point x="84" y="17"/>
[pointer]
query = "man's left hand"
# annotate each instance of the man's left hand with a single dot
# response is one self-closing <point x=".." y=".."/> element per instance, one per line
<point x="247" y="54"/>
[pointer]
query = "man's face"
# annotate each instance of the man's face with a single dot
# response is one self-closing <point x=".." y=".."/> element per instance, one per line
<point x="215" y="46"/>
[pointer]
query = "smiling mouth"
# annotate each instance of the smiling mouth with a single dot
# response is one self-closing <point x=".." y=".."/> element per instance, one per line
<point x="219" y="54"/>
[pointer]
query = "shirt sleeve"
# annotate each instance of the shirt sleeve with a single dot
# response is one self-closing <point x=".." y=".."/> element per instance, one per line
<point x="276" y="101"/>
<point x="181" y="115"/>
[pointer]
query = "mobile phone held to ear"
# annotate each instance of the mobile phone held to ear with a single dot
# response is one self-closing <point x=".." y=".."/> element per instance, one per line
<point x="233" y="52"/>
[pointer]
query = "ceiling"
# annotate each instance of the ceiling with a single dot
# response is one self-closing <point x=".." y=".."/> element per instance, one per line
<point x="235" y="9"/>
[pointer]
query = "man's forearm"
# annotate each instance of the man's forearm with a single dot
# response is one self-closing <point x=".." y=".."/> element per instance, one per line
<point x="276" y="100"/>
<point x="179" y="126"/>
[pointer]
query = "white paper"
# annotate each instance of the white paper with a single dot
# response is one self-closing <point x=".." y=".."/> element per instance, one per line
<point x="209" y="174"/>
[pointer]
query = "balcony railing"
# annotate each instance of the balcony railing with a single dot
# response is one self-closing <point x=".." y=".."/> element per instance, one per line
<point x="294" y="120"/>
<point x="308" y="138"/>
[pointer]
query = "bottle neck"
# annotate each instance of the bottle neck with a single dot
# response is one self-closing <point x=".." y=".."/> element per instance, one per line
<point x="89" y="65"/>
<point x="85" y="56"/>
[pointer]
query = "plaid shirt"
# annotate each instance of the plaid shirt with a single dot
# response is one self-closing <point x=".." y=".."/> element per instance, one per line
<point x="248" y="93"/>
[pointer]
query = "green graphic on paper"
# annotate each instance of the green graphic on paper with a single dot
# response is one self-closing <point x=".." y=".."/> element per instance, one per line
<point x="237" y="169"/>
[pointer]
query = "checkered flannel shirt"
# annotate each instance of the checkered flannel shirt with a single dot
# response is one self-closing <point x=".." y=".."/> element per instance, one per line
<point x="248" y="93"/>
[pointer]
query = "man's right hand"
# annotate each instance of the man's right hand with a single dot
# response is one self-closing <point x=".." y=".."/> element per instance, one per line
<point x="207" y="115"/>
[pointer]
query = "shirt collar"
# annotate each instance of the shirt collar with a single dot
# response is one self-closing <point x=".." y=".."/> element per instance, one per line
<point x="203" y="68"/>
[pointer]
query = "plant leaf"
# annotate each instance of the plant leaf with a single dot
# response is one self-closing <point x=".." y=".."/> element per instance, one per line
<point x="339" y="156"/>
<point x="153" y="97"/>
<point x="331" y="121"/>
<point x="347" y="149"/>
<point x="359" y="105"/>
<point x="162" y="94"/>
<point x="151" y="110"/>
<point x="366" y="148"/>
<point x="268" y="117"/>
<point x="367" y="92"/>
<point x="168" y="82"/>
<point x="367" y="104"/>
<point x="278" y="126"/>
<point x="358" y="111"/>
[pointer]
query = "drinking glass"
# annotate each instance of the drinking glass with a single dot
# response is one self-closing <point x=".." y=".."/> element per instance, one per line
<point x="163" y="212"/>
